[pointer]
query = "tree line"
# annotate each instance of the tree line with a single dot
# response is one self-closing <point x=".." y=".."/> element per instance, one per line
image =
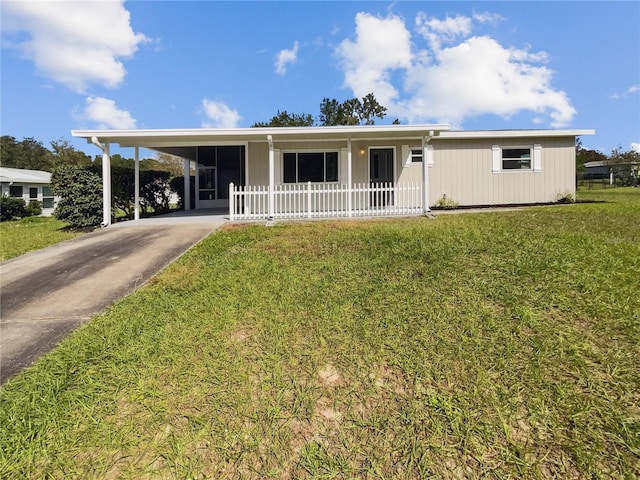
<point x="354" y="111"/>
<point x="32" y="154"/>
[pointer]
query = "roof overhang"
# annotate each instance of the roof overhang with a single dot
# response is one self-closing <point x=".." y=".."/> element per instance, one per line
<point x="459" y="134"/>
<point x="203" y="136"/>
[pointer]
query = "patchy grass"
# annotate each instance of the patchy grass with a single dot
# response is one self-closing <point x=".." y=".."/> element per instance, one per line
<point x="31" y="233"/>
<point x="493" y="345"/>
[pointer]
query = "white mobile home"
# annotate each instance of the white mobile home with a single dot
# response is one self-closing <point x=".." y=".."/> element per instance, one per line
<point x="358" y="170"/>
<point x="28" y="185"/>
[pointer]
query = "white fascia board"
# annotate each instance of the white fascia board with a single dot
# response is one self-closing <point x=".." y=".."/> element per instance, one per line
<point x="201" y="136"/>
<point x="512" y="133"/>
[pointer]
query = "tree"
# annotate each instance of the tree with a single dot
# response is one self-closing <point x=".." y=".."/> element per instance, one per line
<point x="65" y="154"/>
<point x="331" y="113"/>
<point x="285" y="119"/>
<point x="29" y="153"/>
<point x="170" y="163"/>
<point x="584" y="155"/>
<point x="353" y="111"/>
<point x="369" y="109"/>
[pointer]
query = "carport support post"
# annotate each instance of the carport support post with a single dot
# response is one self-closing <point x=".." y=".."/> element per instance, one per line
<point x="271" y="177"/>
<point x="426" y="209"/>
<point x="187" y="184"/>
<point x="136" y="198"/>
<point x="349" y="178"/>
<point x="106" y="186"/>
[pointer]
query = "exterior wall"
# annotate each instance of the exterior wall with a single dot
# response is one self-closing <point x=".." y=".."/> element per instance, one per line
<point x="463" y="169"/>
<point x="46" y="212"/>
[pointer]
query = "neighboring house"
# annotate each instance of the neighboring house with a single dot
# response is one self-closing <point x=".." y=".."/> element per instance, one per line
<point x="28" y="185"/>
<point x="606" y="169"/>
<point x="358" y="170"/>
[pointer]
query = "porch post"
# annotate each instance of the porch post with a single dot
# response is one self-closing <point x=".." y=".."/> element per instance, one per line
<point x="186" y="200"/>
<point x="349" y="179"/>
<point x="136" y="197"/>
<point x="106" y="186"/>
<point x="271" y="177"/>
<point x="426" y="209"/>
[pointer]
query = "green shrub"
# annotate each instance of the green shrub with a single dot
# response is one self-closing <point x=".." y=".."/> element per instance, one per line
<point x="177" y="186"/>
<point x="80" y="195"/>
<point x="12" y="208"/>
<point x="446" y="203"/>
<point x="155" y="191"/>
<point x="565" y="198"/>
<point x="34" y="208"/>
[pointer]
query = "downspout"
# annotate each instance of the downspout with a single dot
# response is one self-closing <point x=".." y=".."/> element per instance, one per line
<point x="106" y="181"/>
<point x="426" y="209"/>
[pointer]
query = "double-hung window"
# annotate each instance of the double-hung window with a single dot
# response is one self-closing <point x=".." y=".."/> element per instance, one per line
<point x="300" y="167"/>
<point x="516" y="158"/>
<point x="508" y="158"/>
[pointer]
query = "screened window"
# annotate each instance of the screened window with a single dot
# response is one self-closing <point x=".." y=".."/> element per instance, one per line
<point x="33" y="193"/>
<point x="516" y="158"/>
<point x="416" y="155"/>
<point x="302" y="167"/>
<point x="15" y="191"/>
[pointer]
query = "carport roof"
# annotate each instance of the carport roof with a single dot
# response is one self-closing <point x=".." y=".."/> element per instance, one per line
<point x="214" y="136"/>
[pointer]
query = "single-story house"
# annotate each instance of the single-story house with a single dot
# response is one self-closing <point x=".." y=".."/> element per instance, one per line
<point x="611" y="170"/>
<point x="303" y="172"/>
<point x="28" y="185"/>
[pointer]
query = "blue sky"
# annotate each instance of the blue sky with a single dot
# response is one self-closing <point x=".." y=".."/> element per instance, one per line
<point x="164" y="64"/>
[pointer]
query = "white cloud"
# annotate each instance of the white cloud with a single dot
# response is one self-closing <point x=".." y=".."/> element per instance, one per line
<point x="629" y="91"/>
<point x="453" y="77"/>
<point x="635" y="147"/>
<point x="487" y="17"/>
<point x="106" y="115"/>
<point x="437" y="31"/>
<point x="73" y="43"/>
<point x="219" y="115"/>
<point x="286" y="57"/>
<point x="381" y="46"/>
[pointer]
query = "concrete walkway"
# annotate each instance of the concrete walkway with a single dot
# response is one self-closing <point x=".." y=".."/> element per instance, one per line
<point x="46" y="294"/>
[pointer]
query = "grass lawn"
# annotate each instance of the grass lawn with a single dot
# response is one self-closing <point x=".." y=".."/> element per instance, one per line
<point x="21" y="236"/>
<point x="494" y="345"/>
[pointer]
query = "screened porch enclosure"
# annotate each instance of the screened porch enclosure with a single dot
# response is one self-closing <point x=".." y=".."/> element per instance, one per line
<point x="217" y="167"/>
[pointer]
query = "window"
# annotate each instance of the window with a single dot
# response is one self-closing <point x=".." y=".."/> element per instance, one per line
<point x="33" y="193"/>
<point x="302" y="167"/>
<point x="47" y="197"/>
<point x="15" y="191"/>
<point x="516" y="158"/>
<point x="416" y="155"/>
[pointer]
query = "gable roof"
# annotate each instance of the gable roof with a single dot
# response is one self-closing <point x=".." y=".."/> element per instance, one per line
<point x="21" y="175"/>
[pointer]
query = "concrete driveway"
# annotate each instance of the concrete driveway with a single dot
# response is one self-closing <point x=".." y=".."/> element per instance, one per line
<point x="46" y="294"/>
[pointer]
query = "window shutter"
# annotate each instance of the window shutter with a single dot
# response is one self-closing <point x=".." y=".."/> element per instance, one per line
<point x="497" y="160"/>
<point x="429" y="158"/>
<point x="537" y="158"/>
<point x="406" y="155"/>
<point x="277" y="166"/>
<point x="343" y="164"/>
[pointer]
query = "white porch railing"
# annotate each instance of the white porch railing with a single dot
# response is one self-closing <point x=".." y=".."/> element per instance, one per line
<point x="325" y="200"/>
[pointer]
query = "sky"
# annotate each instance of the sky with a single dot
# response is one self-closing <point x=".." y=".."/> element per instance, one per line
<point x="177" y="64"/>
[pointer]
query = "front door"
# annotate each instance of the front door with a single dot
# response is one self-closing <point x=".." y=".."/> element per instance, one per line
<point x="381" y="176"/>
